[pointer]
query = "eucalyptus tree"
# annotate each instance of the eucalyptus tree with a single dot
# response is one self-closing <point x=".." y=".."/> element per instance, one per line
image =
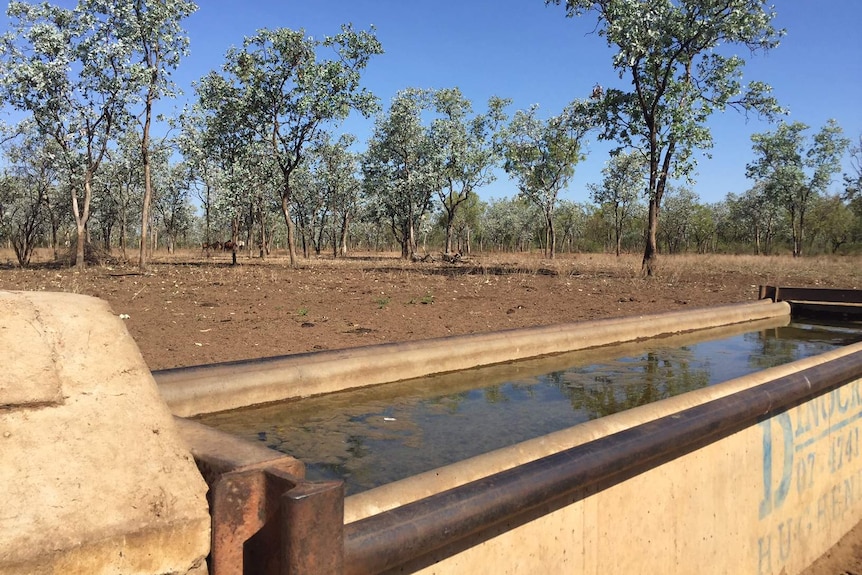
<point x="122" y="183"/>
<point x="795" y="171"/>
<point x="58" y="215"/>
<point x="623" y="181"/>
<point x="152" y="31"/>
<point x="289" y="94"/>
<point x="104" y="213"/>
<point x="227" y="147"/>
<point x="853" y="188"/>
<point x="171" y="199"/>
<point x="703" y="226"/>
<point x="199" y="147"/>
<point x="310" y="209"/>
<point x="25" y="190"/>
<point x="326" y="194"/>
<point x="467" y="148"/>
<point x="510" y="224"/>
<point x="853" y="179"/>
<point x="67" y="68"/>
<point x="571" y="218"/>
<point x="753" y="218"/>
<point x="671" y="51"/>
<point x="335" y="170"/>
<point x="833" y="222"/>
<point x="264" y="209"/>
<point x="400" y="168"/>
<point x="466" y="223"/>
<point x="21" y="215"/>
<point x="678" y="212"/>
<point x="540" y="155"/>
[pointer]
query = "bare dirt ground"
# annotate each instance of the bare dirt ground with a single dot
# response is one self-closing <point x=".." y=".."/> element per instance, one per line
<point x="189" y="309"/>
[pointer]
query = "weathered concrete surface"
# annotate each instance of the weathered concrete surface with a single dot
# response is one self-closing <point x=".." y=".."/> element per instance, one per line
<point x="93" y="476"/>
<point x="209" y="389"/>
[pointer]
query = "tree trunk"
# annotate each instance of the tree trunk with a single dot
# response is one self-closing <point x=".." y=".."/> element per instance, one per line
<point x="448" y="233"/>
<point x="262" y="234"/>
<point x="345" y="224"/>
<point x="123" y="232"/>
<point x="55" y="240"/>
<point x="650" y="261"/>
<point x="81" y="217"/>
<point x="148" y="182"/>
<point x="757" y="240"/>
<point x="234" y="236"/>
<point x="291" y="229"/>
<point x="801" y="232"/>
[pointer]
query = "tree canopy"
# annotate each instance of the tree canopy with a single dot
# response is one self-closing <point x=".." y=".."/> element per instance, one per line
<point x="793" y="175"/>
<point x="671" y="51"/>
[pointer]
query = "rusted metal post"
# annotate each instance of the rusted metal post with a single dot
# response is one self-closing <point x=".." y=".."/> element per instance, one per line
<point x="236" y="507"/>
<point x="266" y="518"/>
<point x="312" y="529"/>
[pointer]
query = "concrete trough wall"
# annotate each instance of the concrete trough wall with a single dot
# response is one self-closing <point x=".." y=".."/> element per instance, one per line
<point x="221" y="387"/>
<point x="768" y="498"/>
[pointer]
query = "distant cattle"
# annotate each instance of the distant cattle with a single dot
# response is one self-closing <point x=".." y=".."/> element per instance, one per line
<point x="211" y="246"/>
<point x="229" y="246"/>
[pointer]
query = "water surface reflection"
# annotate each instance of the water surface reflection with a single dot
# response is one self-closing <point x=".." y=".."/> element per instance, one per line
<point x="376" y="435"/>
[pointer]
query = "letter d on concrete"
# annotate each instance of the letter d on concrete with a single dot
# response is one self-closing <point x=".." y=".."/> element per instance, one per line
<point x="772" y="500"/>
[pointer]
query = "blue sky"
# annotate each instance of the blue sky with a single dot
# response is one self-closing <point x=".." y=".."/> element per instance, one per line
<point x="531" y="53"/>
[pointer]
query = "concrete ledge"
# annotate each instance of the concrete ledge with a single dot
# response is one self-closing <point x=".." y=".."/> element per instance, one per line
<point x="221" y="387"/>
<point x="93" y="476"/>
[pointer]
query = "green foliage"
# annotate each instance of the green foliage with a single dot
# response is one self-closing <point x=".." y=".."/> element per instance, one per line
<point x="334" y="188"/>
<point x="286" y="94"/>
<point x="794" y="171"/>
<point x="624" y="179"/>
<point x="540" y="155"/>
<point x="79" y="72"/>
<point x="400" y="169"/>
<point x="26" y="188"/>
<point x="510" y="224"/>
<point x="466" y="150"/>
<point x="853" y="179"/>
<point x="670" y="50"/>
<point x="67" y="69"/>
<point x="832" y="223"/>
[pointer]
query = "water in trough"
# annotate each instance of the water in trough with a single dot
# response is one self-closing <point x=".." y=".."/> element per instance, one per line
<point x="375" y="435"/>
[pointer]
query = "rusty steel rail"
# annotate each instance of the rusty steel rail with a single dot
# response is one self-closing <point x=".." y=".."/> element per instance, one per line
<point x="817" y="302"/>
<point x="415" y="534"/>
<point x="835" y="295"/>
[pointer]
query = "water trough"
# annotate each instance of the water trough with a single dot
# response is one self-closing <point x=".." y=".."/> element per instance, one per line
<point x="758" y="474"/>
<point x="768" y="461"/>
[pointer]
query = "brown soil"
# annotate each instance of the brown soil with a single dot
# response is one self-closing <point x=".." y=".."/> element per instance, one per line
<point x="190" y="310"/>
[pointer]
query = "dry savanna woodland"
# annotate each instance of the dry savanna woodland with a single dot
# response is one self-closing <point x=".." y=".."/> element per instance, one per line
<point x="190" y="309"/>
<point x="252" y="224"/>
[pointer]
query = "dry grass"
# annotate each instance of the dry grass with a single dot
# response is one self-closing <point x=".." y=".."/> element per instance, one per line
<point x="839" y="271"/>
